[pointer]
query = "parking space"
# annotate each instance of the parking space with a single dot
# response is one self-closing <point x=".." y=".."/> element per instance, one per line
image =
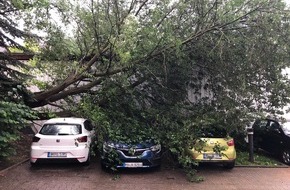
<point x="74" y="176"/>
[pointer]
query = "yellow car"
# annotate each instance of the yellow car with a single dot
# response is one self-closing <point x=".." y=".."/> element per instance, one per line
<point x="214" y="145"/>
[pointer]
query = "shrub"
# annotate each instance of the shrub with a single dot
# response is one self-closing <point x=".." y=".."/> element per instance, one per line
<point x="13" y="117"/>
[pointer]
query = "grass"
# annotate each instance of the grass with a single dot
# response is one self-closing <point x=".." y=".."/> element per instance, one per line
<point x="260" y="159"/>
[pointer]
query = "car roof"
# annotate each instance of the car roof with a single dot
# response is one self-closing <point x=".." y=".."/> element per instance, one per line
<point x="66" y="120"/>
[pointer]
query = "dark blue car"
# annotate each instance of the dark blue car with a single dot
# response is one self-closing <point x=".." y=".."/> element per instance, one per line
<point x="123" y="155"/>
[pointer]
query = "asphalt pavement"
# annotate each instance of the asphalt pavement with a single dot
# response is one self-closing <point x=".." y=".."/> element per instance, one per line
<point x="76" y="176"/>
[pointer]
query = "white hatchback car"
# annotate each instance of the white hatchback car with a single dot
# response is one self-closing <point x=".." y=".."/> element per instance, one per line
<point x="63" y="139"/>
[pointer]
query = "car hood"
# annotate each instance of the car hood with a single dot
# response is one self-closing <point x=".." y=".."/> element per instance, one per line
<point x="123" y="145"/>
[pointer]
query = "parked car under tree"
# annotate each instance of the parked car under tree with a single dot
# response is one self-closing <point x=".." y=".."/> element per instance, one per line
<point x="273" y="137"/>
<point x="67" y="139"/>
<point x="144" y="154"/>
<point x="214" y="146"/>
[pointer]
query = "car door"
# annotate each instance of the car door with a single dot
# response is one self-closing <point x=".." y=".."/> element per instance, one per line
<point x="260" y="133"/>
<point x="273" y="137"/>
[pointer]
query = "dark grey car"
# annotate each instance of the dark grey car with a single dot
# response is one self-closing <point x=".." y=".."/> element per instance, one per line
<point x="273" y="137"/>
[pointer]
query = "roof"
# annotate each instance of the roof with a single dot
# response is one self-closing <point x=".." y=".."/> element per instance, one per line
<point x="73" y="120"/>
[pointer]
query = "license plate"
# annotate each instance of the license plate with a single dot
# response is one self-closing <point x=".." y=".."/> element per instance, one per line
<point x="211" y="156"/>
<point x="57" y="154"/>
<point x="133" y="164"/>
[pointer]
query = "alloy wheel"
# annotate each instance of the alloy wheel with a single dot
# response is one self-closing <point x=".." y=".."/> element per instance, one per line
<point x="286" y="156"/>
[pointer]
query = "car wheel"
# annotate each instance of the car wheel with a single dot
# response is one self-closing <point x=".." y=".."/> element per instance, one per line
<point x="156" y="168"/>
<point x="255" y="147"/>
<point x="107" y="168"/>
<point x="286" y="157"/>
<point x="32" y="164"/>
<point x="104" y="166"/>
<point x="229" y="165"/>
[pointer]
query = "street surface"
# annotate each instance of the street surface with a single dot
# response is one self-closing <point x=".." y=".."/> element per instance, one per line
<point x="74" y="176"/>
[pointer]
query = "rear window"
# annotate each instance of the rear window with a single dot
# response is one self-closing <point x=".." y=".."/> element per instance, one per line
<point x="61" y="129"/>
<point x="212" y="132"/>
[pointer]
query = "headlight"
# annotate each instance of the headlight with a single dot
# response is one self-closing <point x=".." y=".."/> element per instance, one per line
<point x="107" y="147"/>
<point x="156" y="148"/>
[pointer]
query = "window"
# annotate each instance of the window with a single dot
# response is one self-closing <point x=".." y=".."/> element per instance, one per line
<point x="273" y="125"/>
<point x="260" y="124"/>
<point x="212" y="132"/>
<point x="61" y="129"/>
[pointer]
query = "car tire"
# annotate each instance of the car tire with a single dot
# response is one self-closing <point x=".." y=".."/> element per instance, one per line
<point x="286" y="157"/>
<point x="107" y="168"/>
<point x="229" y="165"/>
<point x="32" y="164"/>
<point x="104" y="166"/>
<point x="156" y="168"/>
<point x="255" y="147"/>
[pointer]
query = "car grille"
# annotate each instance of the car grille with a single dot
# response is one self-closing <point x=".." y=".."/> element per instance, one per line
<point x="134" y="152"/>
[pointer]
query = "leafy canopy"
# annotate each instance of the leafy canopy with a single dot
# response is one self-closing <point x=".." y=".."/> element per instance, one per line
<point x="171" y="66"/>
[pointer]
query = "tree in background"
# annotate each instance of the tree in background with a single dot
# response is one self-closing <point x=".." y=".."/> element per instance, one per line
<point x="11" y="76"/>
<point x="133" y="63"/>
<point x="234" y="49"/>
<point x="14" y="115"/>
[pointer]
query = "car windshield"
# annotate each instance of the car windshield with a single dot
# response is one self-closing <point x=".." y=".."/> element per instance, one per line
<point x="286" y="127"/>
<point x="60" y="129"/>
<point x="212" y="132"/>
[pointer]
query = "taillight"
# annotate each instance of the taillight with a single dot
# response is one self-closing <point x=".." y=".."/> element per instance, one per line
<point x="35" y="139"/>
<point x="231" y="142"/>
<point x="82" y="139"/>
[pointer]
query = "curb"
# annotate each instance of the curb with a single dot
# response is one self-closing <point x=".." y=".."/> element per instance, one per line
<point x="13" y="166"/>
<point x="238" y="166"/>
<point x="261" y="166"/>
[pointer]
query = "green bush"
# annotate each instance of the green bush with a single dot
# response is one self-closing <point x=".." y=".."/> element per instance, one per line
<point x="13" y="117"/>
